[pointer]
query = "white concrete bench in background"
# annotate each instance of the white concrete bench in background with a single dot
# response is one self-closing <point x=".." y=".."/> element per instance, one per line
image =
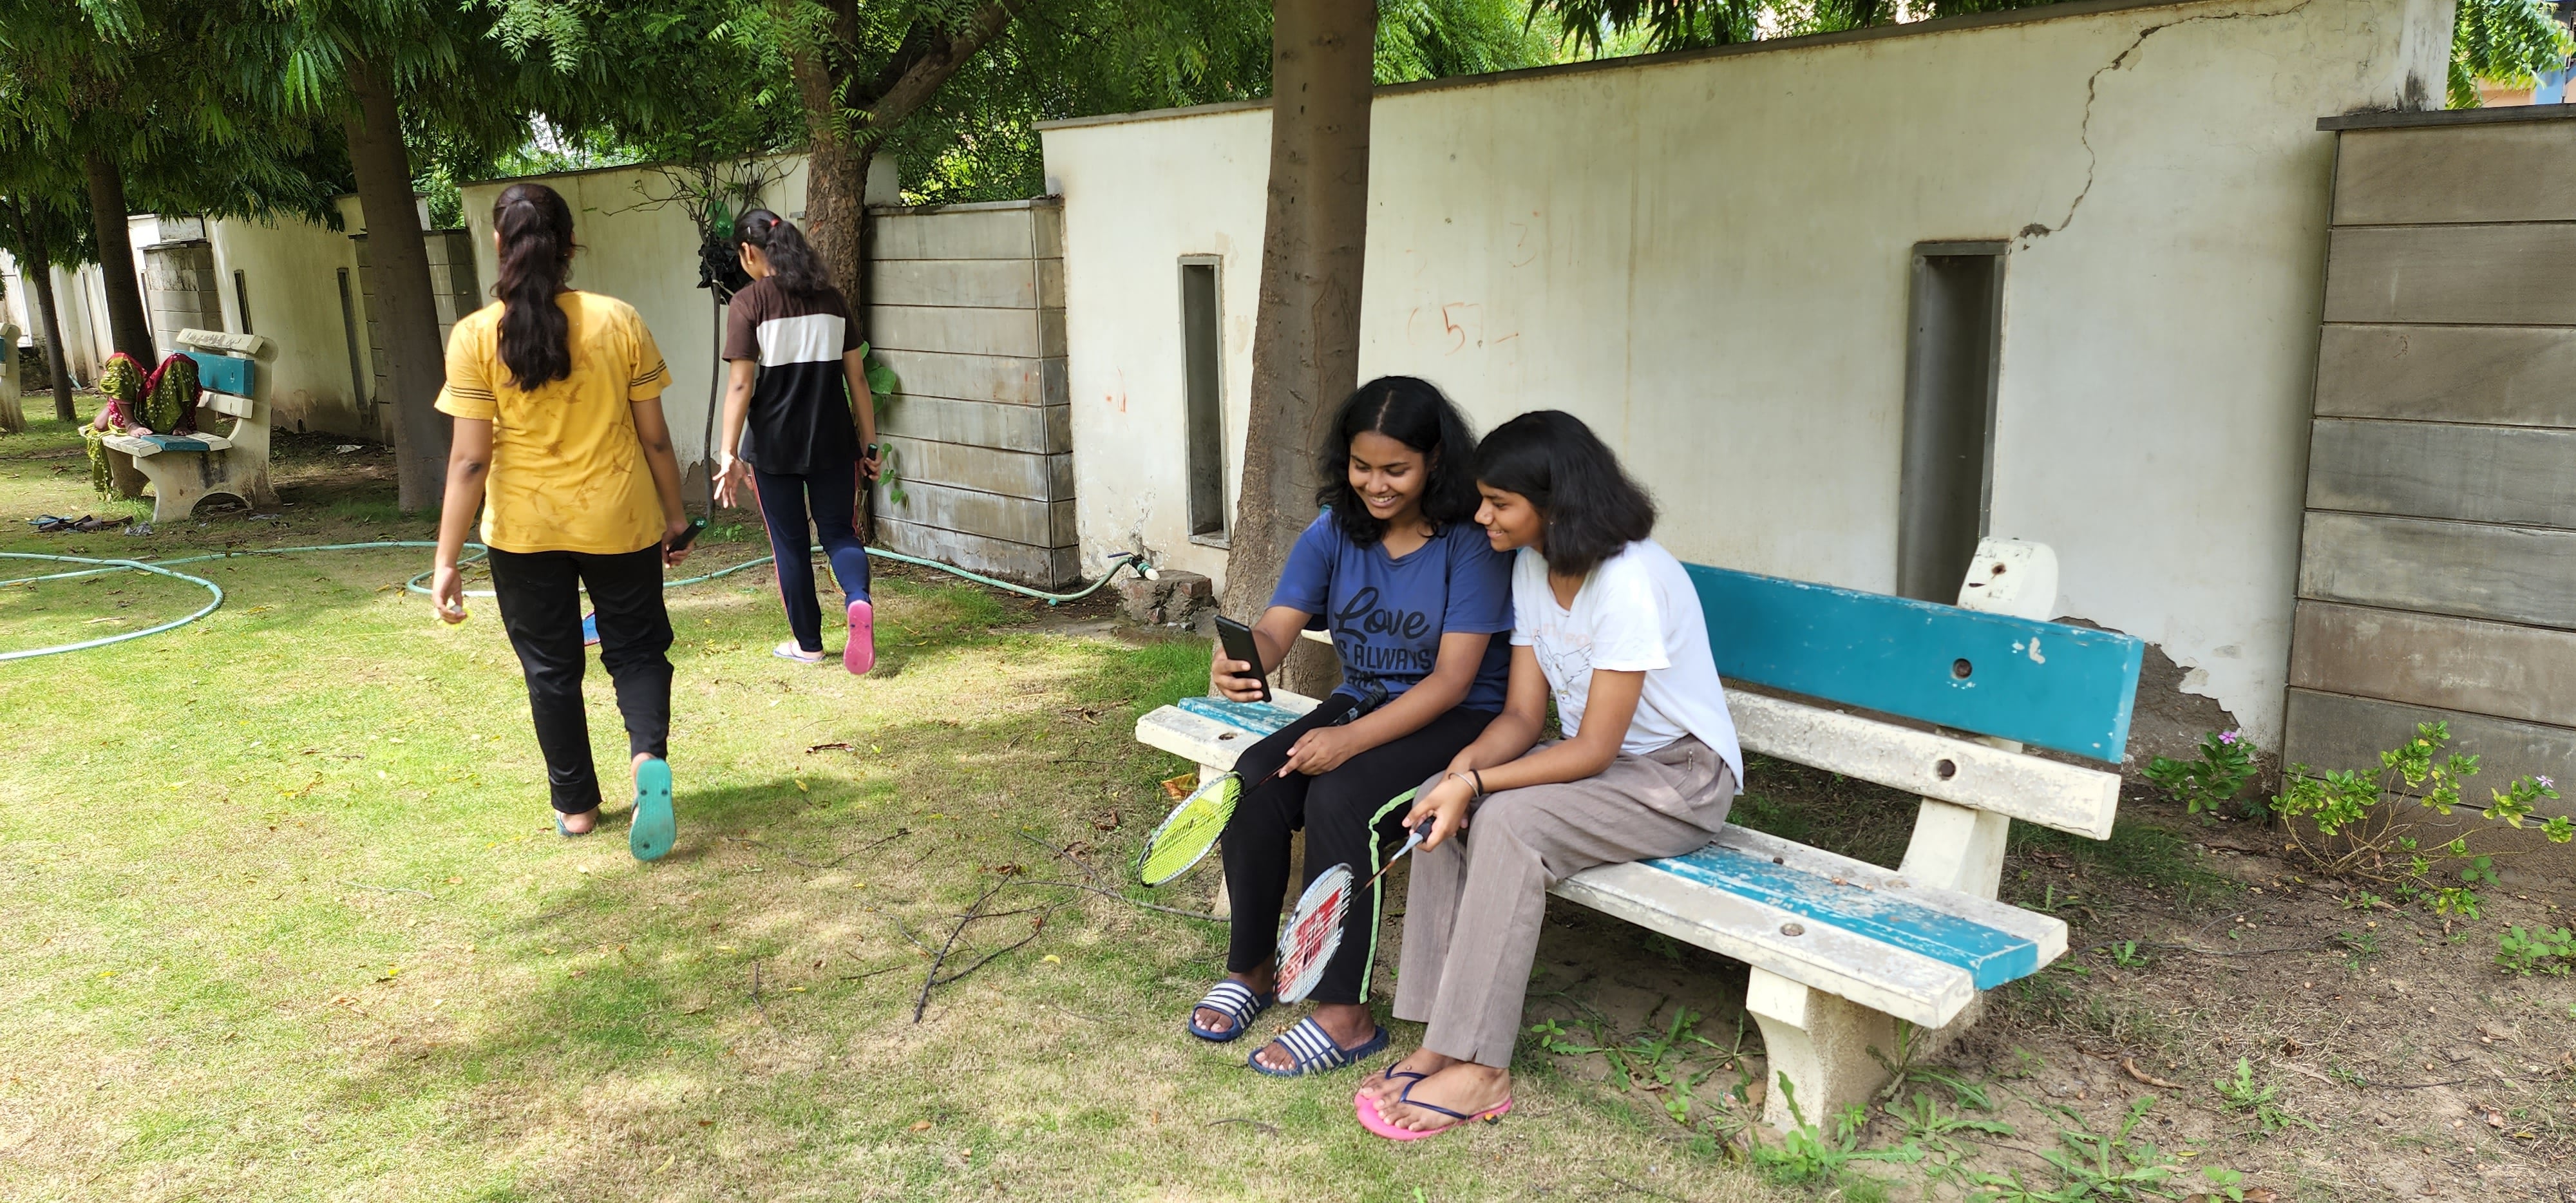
<point x="231" y="369"/>
<point x="1842" y="950"/>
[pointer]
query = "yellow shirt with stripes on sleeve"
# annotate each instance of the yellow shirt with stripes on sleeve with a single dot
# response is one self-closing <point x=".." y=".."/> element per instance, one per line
<point x="567" y="471"/>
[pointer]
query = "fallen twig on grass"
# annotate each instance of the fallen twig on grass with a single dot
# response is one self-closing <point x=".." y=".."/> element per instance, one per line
<point x="1633" y="1188"/>
<point x="1066" y="852"/>
<point x="2244" y="952"/>
<point x="755" y="992"/>
<point x="931" y="979"/>
<point x="2129" y="1065"/>
<point x="390" y="889"/>
<point x="835" y="862"/>
<point x="1168" y="910"/>
<point x="861" y="977"/>
<point x="1266" y="1129"/>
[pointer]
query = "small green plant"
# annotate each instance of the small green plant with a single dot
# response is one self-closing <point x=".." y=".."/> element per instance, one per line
<point x="2359" y="948"/>
<point x="1805" y="1155"/>
<point x="883" y="387"/>
<point x="2091" y="1165"/>
<point x="2125" y="954"/>
<point x="2363" y="824"/>
<point x="2550" y="952"/>
<point x="1939" y="1136"/>
<point x="2211" y="780"/>
<point x="2243" y="1093"/>
<point x="1674" y="1063"/>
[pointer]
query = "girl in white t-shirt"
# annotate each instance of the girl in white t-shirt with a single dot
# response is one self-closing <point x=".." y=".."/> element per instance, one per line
<point x="1608" y="624"/>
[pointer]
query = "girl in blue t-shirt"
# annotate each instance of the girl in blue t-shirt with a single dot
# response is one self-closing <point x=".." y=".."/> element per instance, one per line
<point x="1414" y="596"/>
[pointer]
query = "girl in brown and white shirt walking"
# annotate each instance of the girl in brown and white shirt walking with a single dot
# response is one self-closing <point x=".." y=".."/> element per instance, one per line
<point x="800" y="389"/>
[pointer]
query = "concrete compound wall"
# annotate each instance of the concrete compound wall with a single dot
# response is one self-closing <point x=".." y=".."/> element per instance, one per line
<point x="1707" y="258"/>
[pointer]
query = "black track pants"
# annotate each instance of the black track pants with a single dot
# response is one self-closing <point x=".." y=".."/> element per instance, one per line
<point x="540" y="598"/>
<point x="1349" y="816"/>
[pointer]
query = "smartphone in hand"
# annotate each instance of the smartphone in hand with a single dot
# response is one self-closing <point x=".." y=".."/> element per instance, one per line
<point x="1237" y="640"/>
<point x="697" y="527"/>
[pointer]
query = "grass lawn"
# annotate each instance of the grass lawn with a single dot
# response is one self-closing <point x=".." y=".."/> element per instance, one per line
<point x="283" y="916"/>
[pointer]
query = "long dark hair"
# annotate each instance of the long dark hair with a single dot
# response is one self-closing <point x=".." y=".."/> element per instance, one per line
<point x="792" y="261"/>
<point x="536" y="255"/>
<point x="1593" y="510"/>
<point x="1411" y="412"/>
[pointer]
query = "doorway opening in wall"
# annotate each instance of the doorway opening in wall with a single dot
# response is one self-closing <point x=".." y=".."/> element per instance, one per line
<point x="349" y="330"/>
<point x="1953" y="349"/>
<point x="241" y="300"/>
<point x="1202" y="351"/>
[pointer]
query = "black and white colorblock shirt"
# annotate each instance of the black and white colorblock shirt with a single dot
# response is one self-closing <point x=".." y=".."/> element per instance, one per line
<point x="800" y="421"/>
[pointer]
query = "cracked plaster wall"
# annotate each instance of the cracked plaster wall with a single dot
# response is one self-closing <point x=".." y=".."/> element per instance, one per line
<point x="1707" y="259"/>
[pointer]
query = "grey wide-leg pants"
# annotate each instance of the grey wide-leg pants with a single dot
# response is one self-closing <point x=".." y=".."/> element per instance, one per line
<point x="1473" y="910"/>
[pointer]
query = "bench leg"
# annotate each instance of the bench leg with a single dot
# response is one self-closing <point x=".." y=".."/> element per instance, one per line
<point x="1957" y="848"/>
<point x="123" y="476"/>
<point x="1822" y="1042"/>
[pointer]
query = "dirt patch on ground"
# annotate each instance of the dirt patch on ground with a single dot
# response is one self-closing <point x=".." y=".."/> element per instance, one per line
<point x="2385" y="1054"/>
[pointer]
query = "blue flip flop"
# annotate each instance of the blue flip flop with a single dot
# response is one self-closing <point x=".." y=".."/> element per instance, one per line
<point x="590" y="630"/>
<point x="651" y="832"/>
<point x="1235" y="1001"/>
<point x="566" y="832"/>
<point x="1312" y="1050"/>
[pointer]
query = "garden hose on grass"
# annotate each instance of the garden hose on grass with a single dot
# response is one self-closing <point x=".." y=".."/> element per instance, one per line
<point x="98" y="566"/>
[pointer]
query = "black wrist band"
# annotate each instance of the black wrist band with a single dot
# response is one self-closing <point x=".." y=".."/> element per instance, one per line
<point x="1477" y="776"/>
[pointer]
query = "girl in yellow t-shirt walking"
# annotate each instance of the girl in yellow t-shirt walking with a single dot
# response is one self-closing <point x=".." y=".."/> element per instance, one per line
<point x="560" y="441"/>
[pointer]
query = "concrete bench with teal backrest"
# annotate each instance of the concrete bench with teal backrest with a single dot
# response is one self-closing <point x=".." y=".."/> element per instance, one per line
<point x="184" y="469"/>
<point x="1934" y="700"/>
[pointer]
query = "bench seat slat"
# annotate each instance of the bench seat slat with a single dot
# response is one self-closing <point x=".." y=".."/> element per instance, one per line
<point x="1915" y="988"/>
<point x="226" y="404"/>
<point x="1196" y="734"/>
<point x="1916" y="952"/>
<point x="2064" y="796"/>
<point x="143" y="448"/>
<point x="1261" y="718"/>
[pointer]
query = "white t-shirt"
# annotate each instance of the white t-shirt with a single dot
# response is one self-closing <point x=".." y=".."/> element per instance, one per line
<point x="1637" y="612"/>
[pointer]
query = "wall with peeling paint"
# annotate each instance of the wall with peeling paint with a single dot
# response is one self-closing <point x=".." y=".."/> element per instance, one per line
<point x="1707" y="257"/>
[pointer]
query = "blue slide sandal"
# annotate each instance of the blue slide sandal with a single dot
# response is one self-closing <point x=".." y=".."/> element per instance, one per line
<point x="1235" y="1001"/>
<point x="653" y="829"/>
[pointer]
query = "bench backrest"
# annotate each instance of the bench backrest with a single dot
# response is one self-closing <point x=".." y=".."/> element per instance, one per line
<point x="2057" y="686"/>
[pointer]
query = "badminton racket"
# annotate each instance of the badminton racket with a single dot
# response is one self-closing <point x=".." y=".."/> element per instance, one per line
<point x="1186" y="835"/>
<point x="1313" y="931"/>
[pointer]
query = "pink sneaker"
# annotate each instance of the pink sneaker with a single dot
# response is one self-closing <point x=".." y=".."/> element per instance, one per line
<point x="860" y="654"/>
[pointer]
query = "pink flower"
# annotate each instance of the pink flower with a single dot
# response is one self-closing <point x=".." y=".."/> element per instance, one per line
<point x="2546" y="783"/>
<point x="2227" y="737"/>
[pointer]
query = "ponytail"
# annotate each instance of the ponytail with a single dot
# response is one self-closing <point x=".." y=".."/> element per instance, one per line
<point x="536" y="254"/>
<point x="792" y="261"/>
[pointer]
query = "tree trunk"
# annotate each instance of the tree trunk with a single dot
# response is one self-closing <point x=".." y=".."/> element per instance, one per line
<point x="59" y="370"/>
<point x="415" y="369"/>
<point x="126" y="325"/>
<point x="1306" y="334"/>
<point x="39" y="270"/>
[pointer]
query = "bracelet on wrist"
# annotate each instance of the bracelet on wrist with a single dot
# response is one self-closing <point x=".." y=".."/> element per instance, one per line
<point x="1477" y="778"/>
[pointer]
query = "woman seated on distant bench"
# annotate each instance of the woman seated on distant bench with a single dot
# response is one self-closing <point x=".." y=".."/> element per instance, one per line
<point x="1607" y="622"/>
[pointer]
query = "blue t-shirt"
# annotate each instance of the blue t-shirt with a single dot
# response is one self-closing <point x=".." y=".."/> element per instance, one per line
<point x="1387" y="614"/>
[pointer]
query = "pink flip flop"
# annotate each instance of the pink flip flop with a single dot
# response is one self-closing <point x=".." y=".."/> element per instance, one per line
<point x="1366" y="1108"/>
<point x="860" y="654"/>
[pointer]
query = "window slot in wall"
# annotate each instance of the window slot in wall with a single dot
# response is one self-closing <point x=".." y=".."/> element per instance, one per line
<point x="1202" y="351"/>
<point x="1953" y="350"/>
<point x="241" y="300"/>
